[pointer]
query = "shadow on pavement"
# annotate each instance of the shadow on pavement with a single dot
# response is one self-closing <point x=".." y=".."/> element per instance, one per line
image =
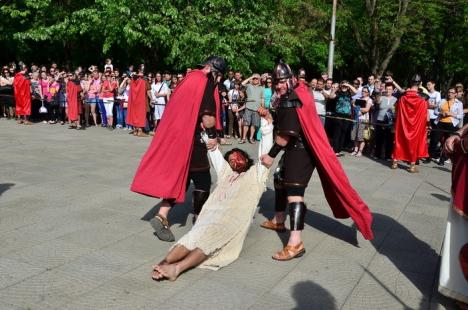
<point x="441" y="197"/>
<point x="5" y="186"/>
<point x="309" y="295"/>
<point x="414" y="258"/>
<point x="321" y="222"/>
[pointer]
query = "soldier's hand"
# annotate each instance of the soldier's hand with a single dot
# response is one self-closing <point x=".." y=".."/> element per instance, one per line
<point x="266" y="160"/>
<point x="212" y="144"/>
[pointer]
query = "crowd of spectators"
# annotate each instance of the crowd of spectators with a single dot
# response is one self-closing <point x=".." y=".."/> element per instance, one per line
<point x="358" y="116"/>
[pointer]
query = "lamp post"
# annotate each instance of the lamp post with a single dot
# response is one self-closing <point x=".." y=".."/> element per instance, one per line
<point x="331" y="49"/>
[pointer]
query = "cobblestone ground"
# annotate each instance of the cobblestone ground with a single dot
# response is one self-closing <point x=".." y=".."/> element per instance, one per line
<point x="72" y="235"/>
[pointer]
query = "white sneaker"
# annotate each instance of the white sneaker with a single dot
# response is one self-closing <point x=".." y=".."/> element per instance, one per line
<point x="448" y="161"/>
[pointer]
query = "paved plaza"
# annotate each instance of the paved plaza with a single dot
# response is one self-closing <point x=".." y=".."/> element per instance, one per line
<point x="73" y="236"/>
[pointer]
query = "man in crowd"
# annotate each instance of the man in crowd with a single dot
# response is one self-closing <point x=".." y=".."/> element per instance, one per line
<point x="229" y="82"/>
<point x="22" y="88"/>
<point x="305" y="146"/>
<point x="319" y="99"/>
<point x="255" y="100"/>
<point x="370" y="83"/>
<point x="178" y="154"/>
<point x="434" y="101"/>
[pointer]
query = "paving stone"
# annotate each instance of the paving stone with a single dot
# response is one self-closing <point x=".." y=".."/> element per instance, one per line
<point x="13" y="271"/>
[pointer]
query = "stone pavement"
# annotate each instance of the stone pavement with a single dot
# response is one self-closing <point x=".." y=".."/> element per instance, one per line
<point x="72" y="235"/>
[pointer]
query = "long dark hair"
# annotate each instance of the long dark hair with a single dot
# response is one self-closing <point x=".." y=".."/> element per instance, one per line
<point x="249" y="161"/>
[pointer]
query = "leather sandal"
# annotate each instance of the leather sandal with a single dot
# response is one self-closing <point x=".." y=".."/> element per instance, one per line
<point x="394" y="165"/>
<point x="289" y="252"/>
<point x="161" y="228"/>
<point x="279" y="227"/>
<point x="413" y="169"/>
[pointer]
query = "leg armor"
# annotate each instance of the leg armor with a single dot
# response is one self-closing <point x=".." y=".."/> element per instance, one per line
<point x="297" y="211"/>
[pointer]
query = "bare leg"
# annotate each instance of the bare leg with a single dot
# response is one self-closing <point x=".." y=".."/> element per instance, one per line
<point x="164" y="208"/>
<point x="172" y="271"/>
<point x="93" y="113"/>
<point x="252" y="133"/>
<point x="244" y="134"/>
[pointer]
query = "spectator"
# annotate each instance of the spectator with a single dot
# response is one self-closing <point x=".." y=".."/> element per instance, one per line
<point x="159" y="92"/>
<point x="228" y="83"/>
<point x="7" y="98"/>
<point x="362" y="107"/>
<point x="53" y="98"/>
<point x="319" y="98"/>
<point x="36" y="94"/>
<point x="449" y="115"/>
<point x="107" y="95"/>
<point x="108" y="65"/>
<point x="385" y="108"/>
<point x="124" y="90"/>
<point x="93" y="93"/>
<point x="328" y="86"/>
<point x="234" y="98"/>
<point x="343" y="114"/>
<point x="255" y="100"/>
<point x="62" y="98"/>
<point x="313" y="84"/>
<point x="167" y="78"/>
<point x="370" y="83"/>
<point x="268" y="92"/>
<point x="434" y="101"/>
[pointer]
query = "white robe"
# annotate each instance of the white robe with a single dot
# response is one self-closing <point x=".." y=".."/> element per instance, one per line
<point x="224" y="221"/>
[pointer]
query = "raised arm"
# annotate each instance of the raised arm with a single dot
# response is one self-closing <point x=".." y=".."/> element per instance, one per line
<point x="216" y="158"/>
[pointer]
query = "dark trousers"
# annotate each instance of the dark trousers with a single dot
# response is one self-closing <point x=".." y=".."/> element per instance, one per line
<point x="340" y="130"/>
<point x="448" y="130"/>
<point x="383" y="140"/>
<point x="434" y="139"/>
<point x="53" y="108"/>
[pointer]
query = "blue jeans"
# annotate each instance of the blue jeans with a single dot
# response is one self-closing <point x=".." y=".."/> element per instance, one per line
<point x="120" y="114"/>
<point x="102" y="111"/>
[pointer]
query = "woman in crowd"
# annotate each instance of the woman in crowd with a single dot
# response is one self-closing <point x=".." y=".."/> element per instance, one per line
<point x="44" y="84"/>
<point x="36" y="94"/>
<point x="53" y="98"/>
<point x="93" y="93"/>
<point x="62" y="97"/>
<point x="107" y="95"/>
<point x="159" y="92"/>
<point x="449" y="115"/>
<point x="124" y="91"/>
<point x="84" y="83"/>
<point x="362" y="120"/>
<point x="384" y="114"/>
<point x="343" y="113"/>
<point x="7" y="99"/>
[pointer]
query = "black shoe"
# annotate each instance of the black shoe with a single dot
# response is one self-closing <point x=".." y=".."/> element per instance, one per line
<point x="427" y="160"/>
<point x="440" y="162"/>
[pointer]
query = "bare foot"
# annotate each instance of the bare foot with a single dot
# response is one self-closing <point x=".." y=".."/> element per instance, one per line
<point x="168" y="271"/>
<point x="155" y="275"/>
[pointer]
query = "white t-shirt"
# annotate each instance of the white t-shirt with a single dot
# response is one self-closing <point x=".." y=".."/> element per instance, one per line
<point x="434" y="98"/>
<point x="155" y="88"/>
<point x="319" y="102"/>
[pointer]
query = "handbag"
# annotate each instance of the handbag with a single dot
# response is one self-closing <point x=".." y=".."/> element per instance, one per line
<point x="42" y="109"/>
<point x="367" y="133"/>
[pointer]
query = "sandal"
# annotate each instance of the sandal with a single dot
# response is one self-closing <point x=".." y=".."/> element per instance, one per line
<point x="279" y="227"/>
<point x="413" y="169"/>
<point x="394" y="165"/>
<point x="242" y="141"/>
<point x="161" y="228"/>
<point x="289" y="252"/>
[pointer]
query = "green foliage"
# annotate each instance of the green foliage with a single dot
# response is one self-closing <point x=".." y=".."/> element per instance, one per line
<point x="249" y="34"/>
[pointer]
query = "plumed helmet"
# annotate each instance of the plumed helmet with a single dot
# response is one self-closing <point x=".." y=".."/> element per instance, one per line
<point x="216" y="62"/>
<point x="282" y="71"/>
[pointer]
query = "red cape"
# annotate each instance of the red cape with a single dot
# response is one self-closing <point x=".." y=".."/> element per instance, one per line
<point x="136" y="111"/>
<point x="341" y="196"/>
<point x="460" y="181"/>
<point x="164" y="168"/>
<point x="72" y="100"/>
<point x="410" y="128"/>
<point x="22" y="87"/>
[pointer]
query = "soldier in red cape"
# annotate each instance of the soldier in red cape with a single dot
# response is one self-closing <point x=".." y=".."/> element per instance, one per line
<point x="73" y="102"/>
<point x="301" y="135"/>
<point x="22" y="87"/>
<point x="178" y="154"/>
<point x="410" y="127"/>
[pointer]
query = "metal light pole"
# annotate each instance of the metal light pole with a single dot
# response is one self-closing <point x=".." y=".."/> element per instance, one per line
<point x="331" y="49"/>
